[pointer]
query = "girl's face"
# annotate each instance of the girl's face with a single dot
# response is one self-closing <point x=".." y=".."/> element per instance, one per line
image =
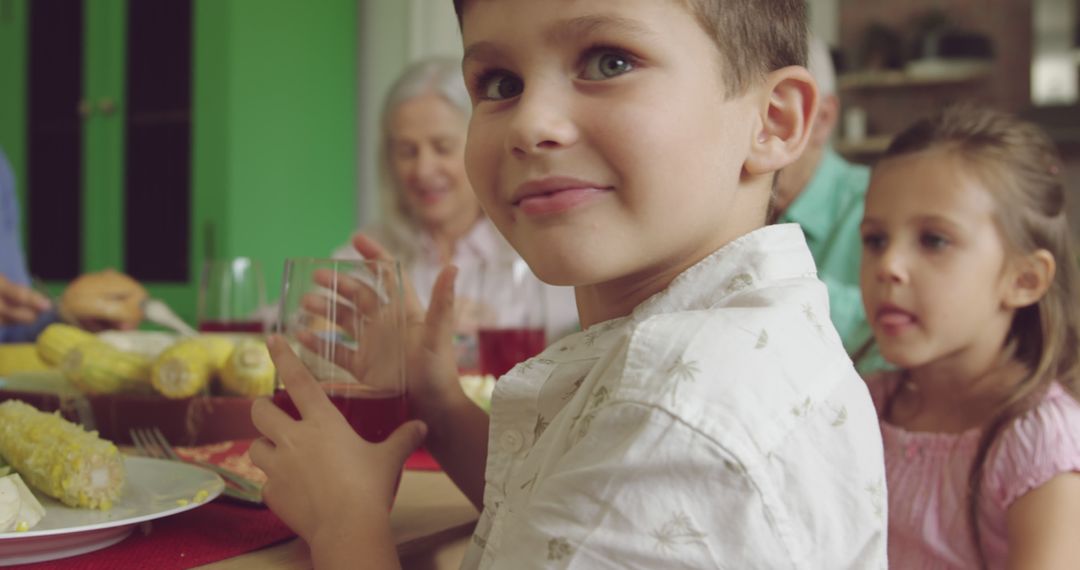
<point x="933" y="264"/>
<point x="427" y="158"/>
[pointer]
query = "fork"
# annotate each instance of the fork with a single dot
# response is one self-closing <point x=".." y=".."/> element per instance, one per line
<point x="152" y="443"/>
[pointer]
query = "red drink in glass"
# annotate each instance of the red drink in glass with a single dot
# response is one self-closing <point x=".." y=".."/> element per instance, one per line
<point x="502" y="349"/>
<point x="374" y="415"/>
<point x="231" y="326"/>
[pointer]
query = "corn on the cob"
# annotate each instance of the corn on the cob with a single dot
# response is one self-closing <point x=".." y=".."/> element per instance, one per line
<point x="58" y="338"/>
<point x="96" y="367"/>
<point x="218" y="347"/>
<point x="183" y="370"/>
<point x="249" y="370"/>
<point x="60" y="458"/>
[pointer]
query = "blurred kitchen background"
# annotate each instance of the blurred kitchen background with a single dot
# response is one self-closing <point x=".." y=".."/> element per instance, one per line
<point x="149" y="135"/>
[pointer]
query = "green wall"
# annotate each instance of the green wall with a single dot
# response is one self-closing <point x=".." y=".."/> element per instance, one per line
<point x="276" y="116"/>
<point x="13" y="26"/>
<point x="275" y="99"/>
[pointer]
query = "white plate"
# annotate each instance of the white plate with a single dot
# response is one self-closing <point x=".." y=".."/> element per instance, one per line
<point x="154" y="489"/>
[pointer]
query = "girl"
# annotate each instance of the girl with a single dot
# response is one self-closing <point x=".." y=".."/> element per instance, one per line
<point x="969" y="283"/>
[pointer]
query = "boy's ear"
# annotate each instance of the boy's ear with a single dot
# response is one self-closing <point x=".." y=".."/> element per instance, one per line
<point x="1029" y="279"/>
<point x="789" y="103"/>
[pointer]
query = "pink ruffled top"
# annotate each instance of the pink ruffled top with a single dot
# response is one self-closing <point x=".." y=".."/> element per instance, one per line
<point x="927" y="476"/>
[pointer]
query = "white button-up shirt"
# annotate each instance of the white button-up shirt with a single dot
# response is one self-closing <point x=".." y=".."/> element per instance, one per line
<point x="720" y="425"/>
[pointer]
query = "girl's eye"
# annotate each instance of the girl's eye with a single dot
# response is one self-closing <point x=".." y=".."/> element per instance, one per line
<point x="933" y="241"/>
<point x="602" y="65"/>
<point x="499" y="85"/>
<point x="873" y="242"/>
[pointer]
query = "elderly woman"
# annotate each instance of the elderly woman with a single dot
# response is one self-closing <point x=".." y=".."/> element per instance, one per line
<point x="430" y="216"/>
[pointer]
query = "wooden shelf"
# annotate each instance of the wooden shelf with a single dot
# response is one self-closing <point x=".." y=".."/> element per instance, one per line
<point x="876" y="144"/>
<point x="908" y="78"/>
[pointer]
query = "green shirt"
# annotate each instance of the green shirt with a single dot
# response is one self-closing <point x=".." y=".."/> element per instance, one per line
<point x="830" y="210"/>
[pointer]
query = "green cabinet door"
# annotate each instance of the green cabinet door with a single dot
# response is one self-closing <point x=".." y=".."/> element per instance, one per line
<point x="100" y="144"/>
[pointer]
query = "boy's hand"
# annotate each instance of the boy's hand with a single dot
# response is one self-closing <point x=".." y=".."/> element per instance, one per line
<point x="19" y="304"/>
<point x="323" y="478"/>
<point x="431" y="363"/>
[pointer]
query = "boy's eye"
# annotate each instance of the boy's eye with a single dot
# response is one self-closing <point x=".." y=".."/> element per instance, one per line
<point x="499" y="85"/>
<point x="601" y="65"/>
<point x="933" y="241"/>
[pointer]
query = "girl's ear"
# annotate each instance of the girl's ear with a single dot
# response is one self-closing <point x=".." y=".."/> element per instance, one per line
<point x="1030" y="277"/>
<point x="787" y="109"/>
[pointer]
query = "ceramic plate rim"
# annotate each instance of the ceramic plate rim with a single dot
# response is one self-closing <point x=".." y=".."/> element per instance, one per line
<point x="215" y="482"/>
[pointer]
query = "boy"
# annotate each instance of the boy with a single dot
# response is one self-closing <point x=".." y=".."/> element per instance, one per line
<point x="707" y="416"/>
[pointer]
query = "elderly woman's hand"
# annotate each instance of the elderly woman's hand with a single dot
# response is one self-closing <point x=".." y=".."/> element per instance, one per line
<point x="431" y="361"/>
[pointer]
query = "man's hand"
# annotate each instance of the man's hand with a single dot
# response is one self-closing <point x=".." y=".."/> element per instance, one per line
<point x="19" y="304"/>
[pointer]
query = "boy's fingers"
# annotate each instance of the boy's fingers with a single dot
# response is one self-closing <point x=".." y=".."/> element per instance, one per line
<point x="439" y="324"/>
<point x="406" y="438"/>
<point x="305" y="392"/>
<point x="269" y="419"/>
<point x="260" y="453"/>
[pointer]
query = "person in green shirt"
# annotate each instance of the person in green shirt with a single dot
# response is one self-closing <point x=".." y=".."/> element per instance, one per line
<point x="824" y="194"/>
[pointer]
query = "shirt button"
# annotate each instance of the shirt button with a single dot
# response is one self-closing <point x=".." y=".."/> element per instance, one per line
<point x="511" y="441"/>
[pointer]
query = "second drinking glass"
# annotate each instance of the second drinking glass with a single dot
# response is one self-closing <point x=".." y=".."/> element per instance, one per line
<point x="231" y="292"/>
<point x="346" y="321"/>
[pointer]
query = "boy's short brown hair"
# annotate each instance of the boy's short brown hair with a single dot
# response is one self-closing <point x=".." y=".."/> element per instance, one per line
<point x="754" y="37"/>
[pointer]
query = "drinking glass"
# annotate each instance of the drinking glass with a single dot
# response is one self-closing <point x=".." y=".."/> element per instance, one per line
<point x="511" y="313"/>
<point x="231" y="292"/>
<point x="346" y="321"/>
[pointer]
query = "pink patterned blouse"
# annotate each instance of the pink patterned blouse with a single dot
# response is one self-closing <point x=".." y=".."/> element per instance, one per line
<point x="927" y="476"/>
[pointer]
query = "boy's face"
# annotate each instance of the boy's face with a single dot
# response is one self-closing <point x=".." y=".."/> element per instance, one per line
<point x="601" y="144"/>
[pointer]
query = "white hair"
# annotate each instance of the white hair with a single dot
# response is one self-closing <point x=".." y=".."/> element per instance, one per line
<point x="440" y="76"/>
<point x="819" y="63"/>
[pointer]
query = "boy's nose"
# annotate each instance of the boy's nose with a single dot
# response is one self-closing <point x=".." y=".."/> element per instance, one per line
<point x="541" y="123"/>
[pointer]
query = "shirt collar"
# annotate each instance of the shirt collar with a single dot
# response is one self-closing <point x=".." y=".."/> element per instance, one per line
<point x="812" y="208"/>
<point x="768" y="254"/>
<point x="480" y="242"/>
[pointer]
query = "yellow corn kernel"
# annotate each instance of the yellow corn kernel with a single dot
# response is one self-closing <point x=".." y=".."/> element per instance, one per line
<point x="96" y="367"/>
<point x="249" y="370"/>
<point x="59" y="458"/>
<point x="183" y="370"/>
<point x="218" y="347"/>
<point x="58" y="338"/>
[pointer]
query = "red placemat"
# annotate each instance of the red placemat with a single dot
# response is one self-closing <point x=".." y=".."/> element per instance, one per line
<point x="421" y="460"/>
<point x="207" y="534"/>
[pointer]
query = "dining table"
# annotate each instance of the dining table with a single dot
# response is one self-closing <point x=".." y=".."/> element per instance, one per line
<point x="432" y="523"/>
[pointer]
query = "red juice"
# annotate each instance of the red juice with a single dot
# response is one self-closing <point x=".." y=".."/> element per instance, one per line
<point x="372" y="414"/>
<point x="231" y="326"/>
<point x="502" y="349"/>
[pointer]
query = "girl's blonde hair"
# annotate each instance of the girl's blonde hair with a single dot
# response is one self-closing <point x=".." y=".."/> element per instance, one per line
<point x="1021" y="168"/>
<point x="398" y="230"/>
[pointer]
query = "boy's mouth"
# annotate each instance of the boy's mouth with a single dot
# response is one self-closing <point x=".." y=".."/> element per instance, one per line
<point x="555" y="194"/>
